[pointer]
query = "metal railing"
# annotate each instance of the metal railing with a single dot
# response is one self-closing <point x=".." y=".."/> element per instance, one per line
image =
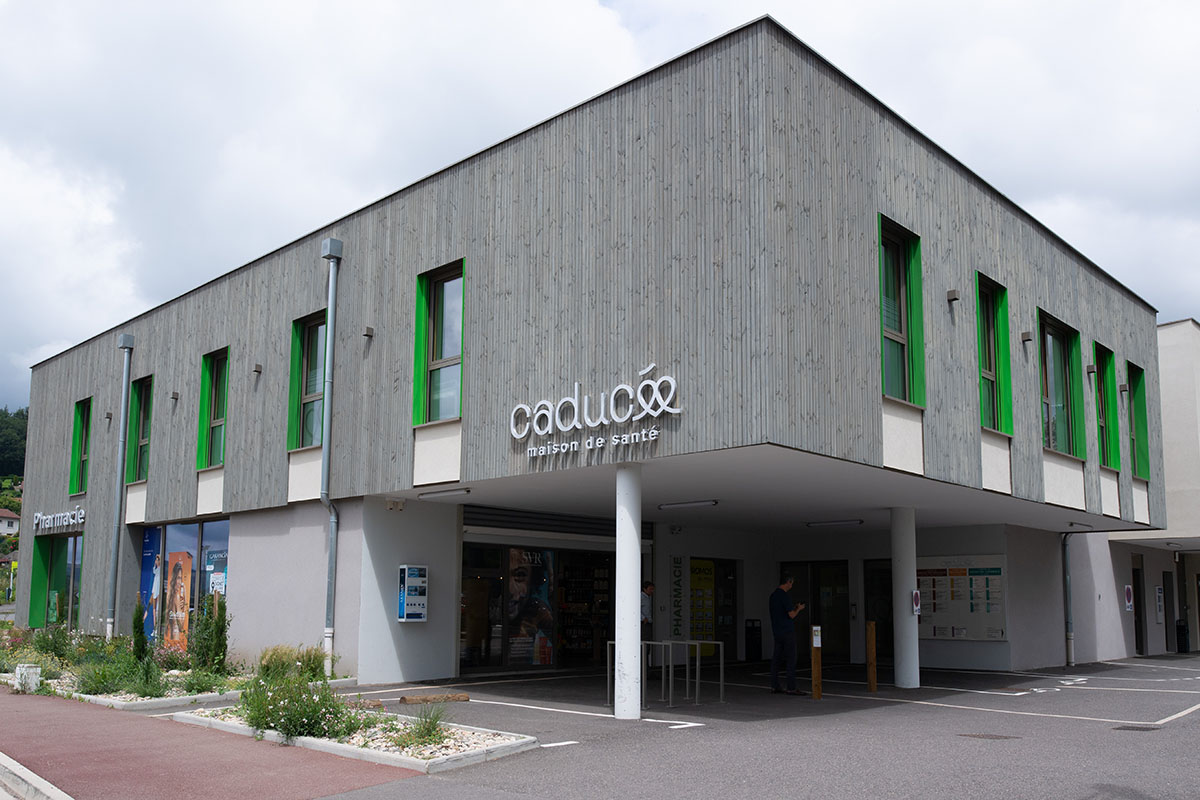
<point x="667" y="650"/>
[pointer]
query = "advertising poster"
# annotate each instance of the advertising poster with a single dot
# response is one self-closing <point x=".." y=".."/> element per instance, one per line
<point x="216" y="569"/>
<point x="150" y="589"/>
<point x="703" y="606"/>
<point x="530" y="612"/>
<point x="12" y="581"/>
<point x="179" y="592"/>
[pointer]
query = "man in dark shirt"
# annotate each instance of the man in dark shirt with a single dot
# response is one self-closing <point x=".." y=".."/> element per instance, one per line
<point x="782" y="614"/>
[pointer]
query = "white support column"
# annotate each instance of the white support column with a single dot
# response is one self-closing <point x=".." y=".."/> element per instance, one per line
<point x="627" y="689"/>
<point x="904" y="583"/>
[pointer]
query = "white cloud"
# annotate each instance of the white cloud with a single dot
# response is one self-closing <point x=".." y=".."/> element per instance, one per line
<point x="65" y="260"/>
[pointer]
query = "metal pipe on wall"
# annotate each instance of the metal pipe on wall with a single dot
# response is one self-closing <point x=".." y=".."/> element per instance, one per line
<point x="331" y="251"/>
<point x="124" y="343"/>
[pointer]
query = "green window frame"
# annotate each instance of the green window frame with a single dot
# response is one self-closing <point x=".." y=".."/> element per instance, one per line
<point x="137" y="451"/>
<point x="306" y="391"/>
<point x="901" y="314"/>
<point x="80" y="446"/>
<point x="214" y="396"/>
<point x="995" y="365"/>
<point x="1139" y="434"/>
<point x="1061" y="382"/>
<point x="1108" y="442"/>
<point x="437" y="362"/>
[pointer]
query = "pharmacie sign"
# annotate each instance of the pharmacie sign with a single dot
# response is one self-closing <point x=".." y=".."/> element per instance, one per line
<point x="63" y="519"/>
<point x="583" y="421"/>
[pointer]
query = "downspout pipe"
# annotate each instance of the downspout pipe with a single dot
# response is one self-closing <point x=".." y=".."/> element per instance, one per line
<point x="125" y="344"/>
<point x="1070" y="624"/>
<point x="331" y="251"/>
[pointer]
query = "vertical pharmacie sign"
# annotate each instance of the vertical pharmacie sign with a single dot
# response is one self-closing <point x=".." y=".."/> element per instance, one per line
<point x="580" y="421"/>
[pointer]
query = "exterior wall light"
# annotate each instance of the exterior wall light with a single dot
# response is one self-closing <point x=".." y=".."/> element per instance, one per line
<point x="952" y="296"/>
<point x="687" y="504"/>
<point x="1026" y="337"/>
<point x="443" y="493"/>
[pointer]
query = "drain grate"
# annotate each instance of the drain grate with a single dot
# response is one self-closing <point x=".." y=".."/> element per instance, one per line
<point x="1137" y="728"/>
<point x="992" y="736"/>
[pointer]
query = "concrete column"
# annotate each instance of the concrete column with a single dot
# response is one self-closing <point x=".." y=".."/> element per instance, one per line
<point x="627" y="689"/>
<point x="904" y="583"/>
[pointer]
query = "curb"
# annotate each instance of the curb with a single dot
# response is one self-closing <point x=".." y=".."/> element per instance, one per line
<point x="27" y="785"/>
<point x="426" y="765"/>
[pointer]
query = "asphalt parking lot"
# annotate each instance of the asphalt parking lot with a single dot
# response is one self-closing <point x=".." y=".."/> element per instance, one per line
<point x="1115" y="730"/>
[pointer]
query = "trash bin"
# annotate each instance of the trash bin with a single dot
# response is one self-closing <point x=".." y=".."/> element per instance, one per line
<point x="1181" y="636"/>
<point x="754" y="640"/>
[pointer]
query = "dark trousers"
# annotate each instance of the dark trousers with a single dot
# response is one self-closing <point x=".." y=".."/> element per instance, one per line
<point x="785" y="652"/>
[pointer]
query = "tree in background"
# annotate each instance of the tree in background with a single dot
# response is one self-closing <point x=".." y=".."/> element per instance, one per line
<point x="12" y="440"/>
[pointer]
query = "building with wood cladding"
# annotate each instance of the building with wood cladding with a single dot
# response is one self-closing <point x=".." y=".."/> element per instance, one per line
<point x="731" y="318"/>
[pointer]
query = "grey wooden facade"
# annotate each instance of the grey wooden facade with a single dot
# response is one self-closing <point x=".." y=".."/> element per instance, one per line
<point x="717" y="216"/>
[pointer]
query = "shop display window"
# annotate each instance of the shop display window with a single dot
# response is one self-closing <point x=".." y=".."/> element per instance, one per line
<point x="179" y="564"/>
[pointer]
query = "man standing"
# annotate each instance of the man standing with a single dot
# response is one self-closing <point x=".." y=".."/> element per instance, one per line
<point x="782" y="614"/>
<point x="647" y="610"/>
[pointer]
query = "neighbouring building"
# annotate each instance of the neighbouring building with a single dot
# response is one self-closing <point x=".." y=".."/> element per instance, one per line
<point x="731" y="318"/>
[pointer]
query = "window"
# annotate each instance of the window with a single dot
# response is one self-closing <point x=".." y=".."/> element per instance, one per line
<point x="214" y="390"/>
<point x="995" y="372"/>
<point x="55" y="581"/>
<point x="1139" y="439"/>
<point x="182" y="565"/>
<point x="307" y="391"/>
<point x="1106" y="408"/>
<point x="137" y="460"/>
<point x="901" y="314"/>
<point x="1061" y="395"/>
<point x="438" y="371"/>
<point x="80" y="444"/>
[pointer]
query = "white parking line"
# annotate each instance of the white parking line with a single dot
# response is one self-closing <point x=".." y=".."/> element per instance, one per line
<point x="558" y="744"/>
<point x="673" y="724"/>
<point x="1174" y="717"/>
<point x="990" y="710"/>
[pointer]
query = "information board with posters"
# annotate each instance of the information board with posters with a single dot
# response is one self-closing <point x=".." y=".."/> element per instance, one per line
<point x="962" y="597"/>
<point x="414" y="593"/>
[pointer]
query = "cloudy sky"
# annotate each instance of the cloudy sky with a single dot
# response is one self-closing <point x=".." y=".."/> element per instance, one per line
<point x="147" y="147"/>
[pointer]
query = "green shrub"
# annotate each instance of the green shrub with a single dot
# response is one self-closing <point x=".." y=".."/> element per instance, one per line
<point x="52" y="667"/>
<point x="208" y="640"/>
<point x="427" y="728"/>
<point x="107" y="677"/>
<point x="91" y="649"/>
<point x="293" y="707"/>
<point x="201" y="682"/>
<point x="147" y="679"/>
<point x="282" y="660"/>
<point x="139" y="630"/>
<point x="54" y="641"/>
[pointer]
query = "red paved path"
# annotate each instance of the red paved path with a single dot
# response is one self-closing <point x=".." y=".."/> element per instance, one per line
<point x="93" y="753"/>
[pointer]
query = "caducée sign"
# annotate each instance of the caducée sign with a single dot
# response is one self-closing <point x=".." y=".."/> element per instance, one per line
<point x="577" y="411"/>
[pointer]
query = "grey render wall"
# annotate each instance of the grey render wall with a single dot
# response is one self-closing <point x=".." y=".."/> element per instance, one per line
<point x="716" y="216"/>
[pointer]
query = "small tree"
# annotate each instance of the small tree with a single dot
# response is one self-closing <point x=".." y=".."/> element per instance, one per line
<point x="140" y="651"/>
<point x="208" y="642"/>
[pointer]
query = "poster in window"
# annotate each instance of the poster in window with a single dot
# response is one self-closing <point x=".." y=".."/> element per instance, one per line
<point x="530" y="613"/>
<point x="150" y="589"/>
<point x="216" y="570"/>
<point x="179" y="591"/>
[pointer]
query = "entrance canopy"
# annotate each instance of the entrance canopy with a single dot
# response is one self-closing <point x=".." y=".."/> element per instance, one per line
<point x="773" y="488"/>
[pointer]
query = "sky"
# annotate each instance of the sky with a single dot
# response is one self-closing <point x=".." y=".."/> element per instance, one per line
<point x="148" y="147"/>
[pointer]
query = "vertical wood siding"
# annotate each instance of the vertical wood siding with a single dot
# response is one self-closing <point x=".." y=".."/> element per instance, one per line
<point x="716" y="216"/>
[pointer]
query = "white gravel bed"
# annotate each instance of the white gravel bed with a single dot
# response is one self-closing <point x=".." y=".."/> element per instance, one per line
<point x="464" y="745"/>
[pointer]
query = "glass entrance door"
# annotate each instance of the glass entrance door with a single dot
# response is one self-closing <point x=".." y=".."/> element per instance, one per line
<point x="825" y="587"/>
<point x="65" y="572"/>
